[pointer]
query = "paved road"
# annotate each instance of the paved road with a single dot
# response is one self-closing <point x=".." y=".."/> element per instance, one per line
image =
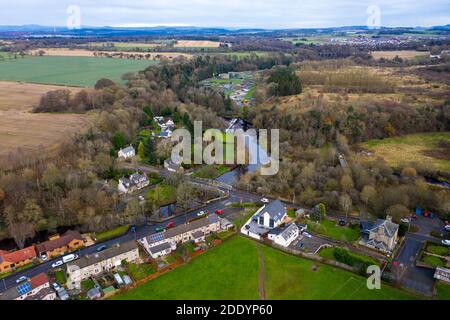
<point x="417" y="278"/>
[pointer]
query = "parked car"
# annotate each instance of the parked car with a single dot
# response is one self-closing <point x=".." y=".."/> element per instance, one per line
<point x="404" y="220"/>
<point x="21" y="279"/>
<point x="446" y="242"/>
<point x="306" y="234"/>
<point x="56" y="286"/>
<point x="44" y="257"/>
<point x="447" y="228"/>
<point x="201" y="213"/>
<point x="70" y="257"/>
<point x="219" y="212"/>
<point x="133" y="228"/>
<point x="159" y="229"/>
<point x="342" y="222"/>
<point x="171" y="224"/>
<point x="102" y="247"/>
<point x="265" y="200"/>
<point x="57" y="264"/>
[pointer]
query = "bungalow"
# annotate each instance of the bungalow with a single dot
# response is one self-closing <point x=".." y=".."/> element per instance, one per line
<point x="172" y="166"/>
<point x="381" y="235"/>
<point x="9" y="261"/>
<point x="126" y="153"/>
<point x="99" y="262"/>
<point x="163" y="243"/>
<point x="284" y="236"/>
<point x="58" y="245"/>
<point x="266" y="218"/>
<point x="36" y="288"/>
<point x="136" y="181"/>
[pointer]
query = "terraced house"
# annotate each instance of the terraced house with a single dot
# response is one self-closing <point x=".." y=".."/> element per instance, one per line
<point x="9" y="261"/>
<point x="162" y="243"/>
<point x="99" y="262"/>
<point x="58" y="245"/>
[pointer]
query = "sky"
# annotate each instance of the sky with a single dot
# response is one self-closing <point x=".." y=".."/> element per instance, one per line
<point x="270" y="14"/>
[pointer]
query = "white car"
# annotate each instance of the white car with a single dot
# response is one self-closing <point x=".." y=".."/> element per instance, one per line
<point x="447" y="227"/>
<point x="405" y="220"/>
<point x="44" y="257"/>
<point x="56" y="286"/>
<point x="265" y="200"/>
<point x="201" y="213"/>
<point x="21" y="279"/>
<point x="57" y="264"/>
<point x="446" y="242"/>
<point x="306" y="234"/>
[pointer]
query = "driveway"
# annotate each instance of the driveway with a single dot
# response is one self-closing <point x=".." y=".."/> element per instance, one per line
<point x="416" y="278"/>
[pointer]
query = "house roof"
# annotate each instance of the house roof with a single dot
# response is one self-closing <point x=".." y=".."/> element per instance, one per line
<point x="183" y="228"/>
<point x="93" y="293"/>
<point x="109" y="253"/>
<point x="62" y="241"/>
<point x="198" y="234"/>
<point x="274" y="209"/>
<point x="388" y="226"/>
<point x="128" y="149"/>
<point x="44" y="292"/>
<point x="288" y="232"/>
<point x="159" y="248"/>
<point x="38" y="280"/>
<point x="18" y="255"/>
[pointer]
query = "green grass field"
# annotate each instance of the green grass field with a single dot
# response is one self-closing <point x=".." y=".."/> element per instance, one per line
<point x="230" y="271"/>
<point x="162" y="194"/>
<point x="109" y="234"/>
<point x="443" y="291"/>
<point x="70" y="71"/>
<point x="429" y="149"/>
<point x="330" y="229"/>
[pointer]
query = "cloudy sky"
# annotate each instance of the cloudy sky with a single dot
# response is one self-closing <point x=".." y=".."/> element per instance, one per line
<point x="227" y="13"/>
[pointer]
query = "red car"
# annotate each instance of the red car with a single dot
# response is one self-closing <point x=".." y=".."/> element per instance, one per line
<point x="170" y="225"/>
<point x="219" y="212"/>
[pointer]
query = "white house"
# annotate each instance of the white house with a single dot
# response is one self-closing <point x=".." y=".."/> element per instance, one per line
<point x="135" y="182"/>
<point x="284" y="236"/>
<point x="126" y="153"/>
<point x="265" y="219"/>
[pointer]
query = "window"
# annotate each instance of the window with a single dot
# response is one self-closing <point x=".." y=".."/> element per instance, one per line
<point x="271" y="223"/>
<point x="261" y="220"/>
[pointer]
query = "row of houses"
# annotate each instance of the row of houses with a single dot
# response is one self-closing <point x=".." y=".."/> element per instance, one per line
<point x="55" y="246"/>
<point x="99" y="262"/>
<point x="163" y="243"/>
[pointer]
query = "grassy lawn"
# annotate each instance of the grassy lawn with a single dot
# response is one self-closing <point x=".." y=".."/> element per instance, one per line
<point x="139" y="271"/>
<point x="430" y="149"/>
<point x="328" y="253"/>
<point x="230" y="271"/>
<point x="105" y="235"/>
<point x="60" y="277"/>
<point x="330" y="229"/>
<point x="211" y="171"/>
<point x="3" y="275"/>
<point x="443" y="291"/>
<point x="434" y="261"/>
<point x="439" y="250"/>
<point x="162" y="194"/>
<point x="72" y="71"/>
<point x="87" y="284"/>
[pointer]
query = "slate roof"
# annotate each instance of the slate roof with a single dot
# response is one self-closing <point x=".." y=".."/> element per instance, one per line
<point x="159" y="248"/>
<point x="389" y="227"/>
<point x="62" y="241"/>
<point x="275" y="209"/>
<point x="128" y="149"/>
<point x="289" y="231"/>
<point x="109" y="253"/>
